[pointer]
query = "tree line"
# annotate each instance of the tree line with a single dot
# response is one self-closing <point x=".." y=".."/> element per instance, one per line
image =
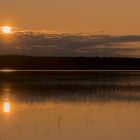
<point x="68" y="63"/>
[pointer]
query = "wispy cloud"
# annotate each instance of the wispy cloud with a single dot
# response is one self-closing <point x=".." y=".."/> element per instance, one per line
<point x="41" y="44"/>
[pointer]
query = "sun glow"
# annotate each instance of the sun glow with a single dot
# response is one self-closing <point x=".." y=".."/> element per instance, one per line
<point x="6" y="29"/>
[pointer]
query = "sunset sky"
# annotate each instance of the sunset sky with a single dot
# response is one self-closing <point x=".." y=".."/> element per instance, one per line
<point x="110" y="16"/>
<point x="93" y="27"/>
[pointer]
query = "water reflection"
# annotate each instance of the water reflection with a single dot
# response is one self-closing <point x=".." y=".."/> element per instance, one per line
<point x="6" y="107"/>
<point x="102" y="107"/>
<point x="96" y="87"/>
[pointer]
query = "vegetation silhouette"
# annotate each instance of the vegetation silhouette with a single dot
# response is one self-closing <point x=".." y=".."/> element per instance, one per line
<point x="68" y="63"/>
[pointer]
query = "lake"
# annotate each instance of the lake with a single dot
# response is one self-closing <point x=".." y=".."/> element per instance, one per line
<point x="76" y="105"/>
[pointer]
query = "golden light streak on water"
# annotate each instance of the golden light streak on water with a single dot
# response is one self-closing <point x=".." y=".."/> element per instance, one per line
<point x="7" y="70"/>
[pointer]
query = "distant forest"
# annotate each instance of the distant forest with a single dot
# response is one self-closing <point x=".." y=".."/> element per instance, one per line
<point x="68" y="63"/>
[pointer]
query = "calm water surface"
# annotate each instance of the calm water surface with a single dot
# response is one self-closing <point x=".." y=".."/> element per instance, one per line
<point x="70" y="106"/>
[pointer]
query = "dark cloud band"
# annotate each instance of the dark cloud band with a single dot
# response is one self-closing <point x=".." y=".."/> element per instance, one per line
<point x="39" y="44"/>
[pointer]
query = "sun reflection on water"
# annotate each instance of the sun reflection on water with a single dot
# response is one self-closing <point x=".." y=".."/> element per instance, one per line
<point x="6" y="107"/>
<point x="6" y="98"/>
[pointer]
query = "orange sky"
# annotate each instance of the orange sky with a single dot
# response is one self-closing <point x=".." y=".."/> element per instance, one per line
<point x="109" y="16"/>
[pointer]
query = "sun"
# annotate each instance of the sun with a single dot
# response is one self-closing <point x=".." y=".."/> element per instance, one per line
<point x="6" y="29"/>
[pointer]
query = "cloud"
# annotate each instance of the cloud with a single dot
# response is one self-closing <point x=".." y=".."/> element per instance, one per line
<point x="41" y="44"/>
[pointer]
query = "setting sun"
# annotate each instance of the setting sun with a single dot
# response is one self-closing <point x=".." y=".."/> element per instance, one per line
<point x="6" y="29"/>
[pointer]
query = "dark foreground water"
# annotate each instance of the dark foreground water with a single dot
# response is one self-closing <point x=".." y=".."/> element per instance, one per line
<point x="70" y="106"/>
